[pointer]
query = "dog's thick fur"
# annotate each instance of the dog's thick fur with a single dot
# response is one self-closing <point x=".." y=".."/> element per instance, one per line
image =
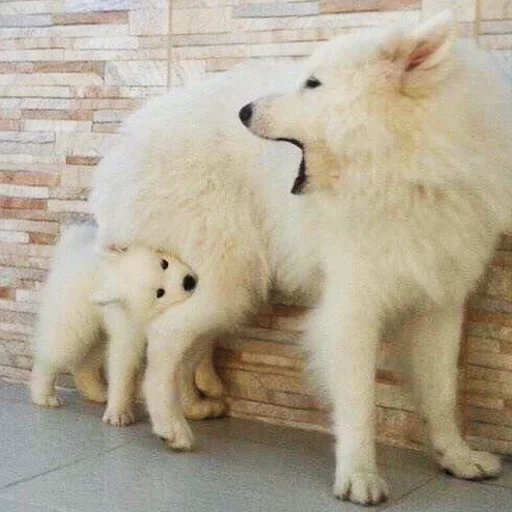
<point x="407" y="150"/>
<point x="92" y="298"/>
<point x="406" y="139"/>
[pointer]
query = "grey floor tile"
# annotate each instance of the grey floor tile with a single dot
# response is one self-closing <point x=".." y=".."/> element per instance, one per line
<point x="16" y="506"/>
<point x="13" y="393"/>
<point x="226" y="475"/>
<point x="34" y="440"/>
<point x="445" y="494"/>
<point x="505" y="480"/>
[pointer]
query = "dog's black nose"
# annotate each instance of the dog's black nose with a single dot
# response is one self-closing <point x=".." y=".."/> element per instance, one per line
<point x="189" y="283"/>
<point x="245" y="114"/>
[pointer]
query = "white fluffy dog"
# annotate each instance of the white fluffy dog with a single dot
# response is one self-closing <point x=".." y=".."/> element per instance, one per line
<point x="406" y="137"/>
<point x="90" y="298"/>
<point x="408" y="174"/>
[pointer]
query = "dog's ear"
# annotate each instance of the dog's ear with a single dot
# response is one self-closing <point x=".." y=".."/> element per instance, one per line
<point x="425" y="53"/>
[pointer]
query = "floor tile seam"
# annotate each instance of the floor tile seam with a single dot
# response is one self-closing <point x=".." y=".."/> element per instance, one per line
<point x="406" y="494"/>
<point x="57" y="468"/>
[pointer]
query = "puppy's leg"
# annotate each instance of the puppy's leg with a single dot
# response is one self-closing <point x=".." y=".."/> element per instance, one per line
<point x="42" y="384"/>
<point x="206" y="378"/>
<point x="436" y="340"/>
<point x="195" y="406"/>
<point x="125" y="350"/>
<point x="88" y="378"/>
<point x="345" y="334"/>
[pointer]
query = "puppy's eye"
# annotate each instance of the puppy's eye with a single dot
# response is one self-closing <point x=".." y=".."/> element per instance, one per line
<point x="312" y="83"/>
<point x="160" y="293"/>
<point x="164" y="264"/>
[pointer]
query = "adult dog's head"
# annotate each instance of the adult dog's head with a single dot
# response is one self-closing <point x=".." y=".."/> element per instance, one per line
<point x="358" y="99"/>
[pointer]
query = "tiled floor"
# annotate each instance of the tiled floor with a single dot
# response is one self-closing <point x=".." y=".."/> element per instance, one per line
<point x="68" y="460"/>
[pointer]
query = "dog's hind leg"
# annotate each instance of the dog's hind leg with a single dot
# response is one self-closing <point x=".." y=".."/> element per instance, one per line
<point x="205" y="376"/>
<point x="196" y="406"/>
<point x="436" y="340"/>
<point x="42" y="384"/>
<point x="88" y="378"/>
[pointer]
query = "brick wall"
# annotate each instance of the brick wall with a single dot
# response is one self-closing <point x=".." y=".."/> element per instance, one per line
<point x="71" y="70"/>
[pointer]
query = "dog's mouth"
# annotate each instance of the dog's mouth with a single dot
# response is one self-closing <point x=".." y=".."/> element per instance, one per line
<point x="301" y="180"/>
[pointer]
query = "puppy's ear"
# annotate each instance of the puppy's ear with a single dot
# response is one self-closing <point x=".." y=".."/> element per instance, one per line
<point x="110" y="252"/>
<point x="106" y="295"/>
<point x="425" y="53"/>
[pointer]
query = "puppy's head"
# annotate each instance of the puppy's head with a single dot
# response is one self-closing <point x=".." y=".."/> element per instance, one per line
<point x="356" y="96"/>
<point x="143" y="281"/>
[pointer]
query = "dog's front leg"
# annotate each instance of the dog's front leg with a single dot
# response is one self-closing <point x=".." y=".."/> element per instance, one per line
<point x="161" y="387"/>
<point x="345" y="335"/>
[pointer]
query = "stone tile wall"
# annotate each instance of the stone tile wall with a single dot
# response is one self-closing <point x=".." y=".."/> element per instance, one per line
<point x="71" y="70"/>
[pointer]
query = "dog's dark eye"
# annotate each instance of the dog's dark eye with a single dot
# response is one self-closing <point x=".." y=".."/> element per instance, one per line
<point x="312" y="83"/>
<point x="160" y="293"/>
<point x="164" y="264"/>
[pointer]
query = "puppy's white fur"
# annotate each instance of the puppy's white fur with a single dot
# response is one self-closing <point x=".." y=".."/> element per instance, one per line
<point x="90" y="298"/>
<point x="407" y="150"/>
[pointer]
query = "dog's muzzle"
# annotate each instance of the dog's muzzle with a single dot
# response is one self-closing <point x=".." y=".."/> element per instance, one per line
<point x="245" y="116"/>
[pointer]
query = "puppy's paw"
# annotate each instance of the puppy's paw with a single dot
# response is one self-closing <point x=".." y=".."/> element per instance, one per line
<point x="177" y="435"/>
<point x="119" y="417"/>
<point x="50" y="401"/>
<point x="204" y="408"/>
<point x="363" y="488"/>
<point x="470" y="464"/>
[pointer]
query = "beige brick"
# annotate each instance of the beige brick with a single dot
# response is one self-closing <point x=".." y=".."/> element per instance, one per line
<point x="50" y="79"/>
<point x="483" y="345"/>
<point x="58" y="126"/>
<point x="14" y="236"/>
<point x="499" y="361"/>
<point x="57" y="205"/>
<point x="65" y="31"/>
<point x="201" y="20"/>
<point x="149" y="21"/>
<point x="486" y="402"/>
<point x="495" y="9"/>
<point x="464" y="10"/>
<point x="107" y="43"/>
<point x="152" y="73"/>
<point x="35" y="91"/>
<point x="20" y="55"/>
<point x="490" y="445"/>
<point x="84" y="144"/>
<point x="77" y="176"/>
<point x="22" y="191"/>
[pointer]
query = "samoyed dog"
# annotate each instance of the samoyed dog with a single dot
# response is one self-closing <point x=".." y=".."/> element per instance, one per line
<point x="407" y="170"/>
<point x="89" y="298"/>
<point x="401" y="185"/>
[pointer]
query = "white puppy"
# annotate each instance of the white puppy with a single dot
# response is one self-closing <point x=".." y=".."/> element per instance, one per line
<point x="406" y="137"/>
<point x="90" y="298"/>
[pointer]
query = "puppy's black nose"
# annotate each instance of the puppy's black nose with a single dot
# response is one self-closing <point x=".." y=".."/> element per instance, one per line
<point x="245" y="114"/>
<point x="189" y="283"/>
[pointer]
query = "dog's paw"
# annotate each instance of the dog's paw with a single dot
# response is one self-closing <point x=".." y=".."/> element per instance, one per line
<point x="50" y="401"/>
<point x="98" y="395"/>
<point x="118" y="418"/>
<point x="363" y="488"/>
<point x="470" y="464"/>
<point x="204" y="408"/>
<point x="177" y="435"/>
<point x="209" y="384"/>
